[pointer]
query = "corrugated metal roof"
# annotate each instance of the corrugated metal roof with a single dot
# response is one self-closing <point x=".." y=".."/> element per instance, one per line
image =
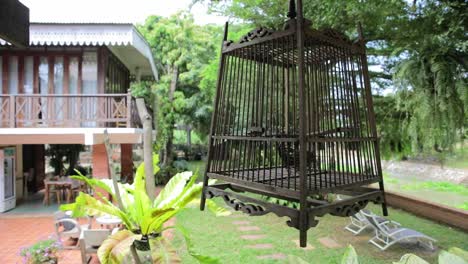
<point x="72" y="34"/>
<point x="90" y="34"/>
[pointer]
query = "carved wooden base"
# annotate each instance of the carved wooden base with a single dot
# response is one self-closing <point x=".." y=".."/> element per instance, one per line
<point x="255" y="207"/>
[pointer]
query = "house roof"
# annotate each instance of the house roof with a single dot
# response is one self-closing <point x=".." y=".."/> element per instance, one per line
<point x="123" y="40"/>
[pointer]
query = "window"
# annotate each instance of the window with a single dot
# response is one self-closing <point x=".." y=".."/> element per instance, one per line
<point x="28" y="75"/>
<point x="73" y="70"/>
<point x="89" y="73"/>
<point x="43" y="75"/>
<point x="13" y="75"/>
<point x="58" y="75"/>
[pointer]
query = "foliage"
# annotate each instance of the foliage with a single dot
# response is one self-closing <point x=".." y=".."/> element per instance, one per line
<point x="141" y="89"/>
<point x="142" y="217"/>
<point x="178" y="43"/>
<point x="417" y="57"/>
<point x="61" y="154"/>
<point x="44" y="251"/>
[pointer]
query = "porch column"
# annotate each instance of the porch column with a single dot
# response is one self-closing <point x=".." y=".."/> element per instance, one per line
<point x="100" y="168"/>
<point x="126" y="161"/>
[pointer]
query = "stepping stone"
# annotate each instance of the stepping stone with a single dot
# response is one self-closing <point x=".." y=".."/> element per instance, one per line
<point x="298" y="244"/>
<point x="234" y="215"/>
<point x="272" y="256"/>
<point x="253" y="237"/>
<point x="328" y="242"/>
<point x="241" y="222"/>
<point x="260" y="246"/>
<point x="248" y="228"/>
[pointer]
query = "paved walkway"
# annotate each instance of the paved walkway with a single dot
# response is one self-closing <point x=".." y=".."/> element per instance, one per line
<point x="21" y="231"/>
<point x="254" y="237"/>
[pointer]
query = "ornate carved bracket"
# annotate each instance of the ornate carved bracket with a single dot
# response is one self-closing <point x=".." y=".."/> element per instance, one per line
<point x="256" y="33"/>
<point x="254" y="207"/>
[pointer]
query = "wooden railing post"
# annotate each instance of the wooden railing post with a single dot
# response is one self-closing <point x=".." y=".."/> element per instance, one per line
<point x="12" y="110"/>
<point x="129" y="108"/>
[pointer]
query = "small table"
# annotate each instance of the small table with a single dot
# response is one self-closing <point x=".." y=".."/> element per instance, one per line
<point x="60" y="185"/>
<point x="109" y="221"/>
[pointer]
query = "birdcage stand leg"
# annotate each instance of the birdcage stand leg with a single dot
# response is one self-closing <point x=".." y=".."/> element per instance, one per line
<point x="384" y="203"/>
<point x="203" y="195"/>
<point x="303" y="230"/>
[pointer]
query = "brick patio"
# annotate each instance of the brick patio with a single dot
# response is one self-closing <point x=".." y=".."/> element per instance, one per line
<point x="20" y="231"/>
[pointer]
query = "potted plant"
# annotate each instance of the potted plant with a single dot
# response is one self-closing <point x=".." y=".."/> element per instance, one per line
<point x="44" y="251"/>
<point x="143" y="218"/>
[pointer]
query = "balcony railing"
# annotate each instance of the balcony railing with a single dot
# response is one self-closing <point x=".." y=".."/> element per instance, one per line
<point x="90" y="110"/>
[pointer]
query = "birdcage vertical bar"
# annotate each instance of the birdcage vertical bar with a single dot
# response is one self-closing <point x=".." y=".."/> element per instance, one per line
<point x="213" y="123"/>
<point x="303" y="215"/>
<point x="370" y="107"/>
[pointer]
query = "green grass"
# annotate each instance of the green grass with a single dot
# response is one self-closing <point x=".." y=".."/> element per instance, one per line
<point x="463" y="206"/>
<point x="218" y="237"/>
<point x="439" y="186"/>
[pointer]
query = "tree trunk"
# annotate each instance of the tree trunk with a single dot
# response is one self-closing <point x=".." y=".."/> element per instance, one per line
<point x="189" y="135"/>
<point x="168" y="158"/>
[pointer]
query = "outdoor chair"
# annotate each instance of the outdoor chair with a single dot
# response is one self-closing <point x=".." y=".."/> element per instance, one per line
<point x="75" y="189"/>
<point x="90" y="241"/>
<point x="359" y="222"/>
<point x="68" y="228"/>
<point x="386" y="235"/>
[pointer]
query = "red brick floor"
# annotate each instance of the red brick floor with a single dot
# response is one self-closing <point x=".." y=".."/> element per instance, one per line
<point x="21" y="231"/>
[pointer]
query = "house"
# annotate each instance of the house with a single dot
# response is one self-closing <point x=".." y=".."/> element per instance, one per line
<point x="68" y="86"/>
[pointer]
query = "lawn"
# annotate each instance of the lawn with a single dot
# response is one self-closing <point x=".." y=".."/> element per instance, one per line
<point x="442" y="192"/>
<point x="219" y="237"/>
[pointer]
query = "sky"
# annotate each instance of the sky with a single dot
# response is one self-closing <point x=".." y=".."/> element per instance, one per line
<point x="117" y="11"/>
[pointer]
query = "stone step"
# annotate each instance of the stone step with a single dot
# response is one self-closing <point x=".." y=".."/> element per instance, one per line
<point x="272" y="256"/>
<point x="248" y="228"/>
<point x="253" y="237"/>
<point x="260" y="246"/>
<point x="329" y="242"/>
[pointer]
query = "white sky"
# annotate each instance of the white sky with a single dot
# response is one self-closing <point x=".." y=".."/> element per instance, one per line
<point x="117" y="11"/>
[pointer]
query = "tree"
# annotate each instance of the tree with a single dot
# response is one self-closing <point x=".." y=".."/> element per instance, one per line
<point x="181" y="49"/>
<point x="417" y="48"/>
<point x="61" y="154"/>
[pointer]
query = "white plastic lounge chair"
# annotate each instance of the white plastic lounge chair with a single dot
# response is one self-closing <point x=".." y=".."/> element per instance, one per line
<point x="66" y="228"/>
<point x="90" y="241"/>
<point x="359" y="222"/>
<point x="386" y="236"/>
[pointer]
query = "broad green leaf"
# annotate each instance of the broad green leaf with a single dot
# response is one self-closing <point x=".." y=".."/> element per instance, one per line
<point x="114" y="249"/>
<point x="173" y="189"/>
<point x="350" y="256"/>
<point x="216" y="209"/>
<point x="449" y="258"/>
<point x="411" y="259"/>
<point x="459" y="252"/>
<point x="163" y="253"/>
<point x="201" y="258"/>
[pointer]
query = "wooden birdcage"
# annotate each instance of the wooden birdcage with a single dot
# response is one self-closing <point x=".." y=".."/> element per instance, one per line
<point x="293" y="119"/>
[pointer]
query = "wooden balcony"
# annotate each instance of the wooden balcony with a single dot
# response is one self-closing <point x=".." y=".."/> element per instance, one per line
<point x="68" y="111"/>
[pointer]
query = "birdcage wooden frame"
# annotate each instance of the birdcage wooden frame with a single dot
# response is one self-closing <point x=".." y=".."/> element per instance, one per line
<point x="293" y="119"/>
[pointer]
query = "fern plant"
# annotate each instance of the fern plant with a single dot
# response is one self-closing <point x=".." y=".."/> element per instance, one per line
<point x="143" y="218"/>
